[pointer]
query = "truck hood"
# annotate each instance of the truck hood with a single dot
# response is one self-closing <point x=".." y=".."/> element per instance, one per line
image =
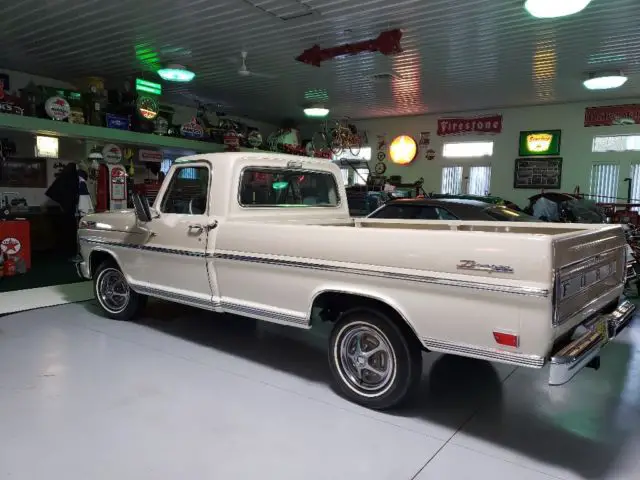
<point x="118" y="221"/>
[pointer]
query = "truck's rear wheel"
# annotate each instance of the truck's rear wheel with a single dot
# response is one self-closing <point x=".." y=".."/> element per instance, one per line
<point x="117" y="300"/>
<point x="373" y="362"/>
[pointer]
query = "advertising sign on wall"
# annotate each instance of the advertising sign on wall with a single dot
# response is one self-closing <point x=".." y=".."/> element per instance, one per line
<point x="612" y="115"/>
<point x="149" y="156"/>
<point x="538" y="173"/>
<point x="539" y="142"/>
<point x="487" y="124"/>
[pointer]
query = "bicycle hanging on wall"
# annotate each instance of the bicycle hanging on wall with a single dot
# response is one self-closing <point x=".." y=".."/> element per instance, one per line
<point x="343" y="136"/>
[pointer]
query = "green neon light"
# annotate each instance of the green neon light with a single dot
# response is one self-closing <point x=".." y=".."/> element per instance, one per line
<point x="279" y="185"/>
<point x="148" y="87"/>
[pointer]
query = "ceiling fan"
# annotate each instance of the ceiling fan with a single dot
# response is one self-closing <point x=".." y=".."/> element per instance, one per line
<point x="245" y="72"/>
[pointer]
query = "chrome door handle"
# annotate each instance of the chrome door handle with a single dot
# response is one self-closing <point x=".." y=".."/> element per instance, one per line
<point x="197" y="227"/>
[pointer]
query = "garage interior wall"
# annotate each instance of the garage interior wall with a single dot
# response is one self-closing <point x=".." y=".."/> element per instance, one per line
<point x="73" y="149"/>
<point x="576" y="146"/>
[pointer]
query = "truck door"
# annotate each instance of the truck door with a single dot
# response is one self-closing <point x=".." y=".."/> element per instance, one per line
<point x="173" y="260"/>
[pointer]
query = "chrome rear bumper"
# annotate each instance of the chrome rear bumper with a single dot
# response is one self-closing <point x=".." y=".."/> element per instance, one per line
<point x="598" y="331"/>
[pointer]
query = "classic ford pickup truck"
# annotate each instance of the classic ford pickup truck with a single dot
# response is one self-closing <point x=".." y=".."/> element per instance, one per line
<point x="269" y="236"/>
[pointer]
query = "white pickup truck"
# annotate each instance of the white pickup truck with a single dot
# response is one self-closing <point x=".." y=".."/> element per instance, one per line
<point x="269" y="236"/>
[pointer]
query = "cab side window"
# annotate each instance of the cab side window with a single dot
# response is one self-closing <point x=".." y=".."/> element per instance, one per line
<point x="188" y="191"/>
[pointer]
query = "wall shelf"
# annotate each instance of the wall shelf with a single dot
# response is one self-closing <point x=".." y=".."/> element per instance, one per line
<point x="42" y="126"/>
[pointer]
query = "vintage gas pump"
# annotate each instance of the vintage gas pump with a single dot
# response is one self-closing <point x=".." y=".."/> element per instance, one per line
<point x="111" y="187"/>
<point x="111" y="181"/>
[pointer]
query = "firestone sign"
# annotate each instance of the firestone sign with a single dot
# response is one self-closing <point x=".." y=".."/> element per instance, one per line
<point x="488" y="124"/>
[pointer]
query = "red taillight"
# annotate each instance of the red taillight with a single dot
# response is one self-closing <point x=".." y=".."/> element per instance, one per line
<point x="506" y="339"/>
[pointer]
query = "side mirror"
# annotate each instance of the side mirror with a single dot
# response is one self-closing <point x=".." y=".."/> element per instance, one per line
<point x="141" y="206"/>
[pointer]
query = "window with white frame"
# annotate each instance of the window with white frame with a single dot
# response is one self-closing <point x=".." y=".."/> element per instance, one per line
<point x="451" y="180"/>
<point x="345" y="176"/>
<point x="604" y="182"/>
<point x="615" y="143"/>
<point x="635" y="184"/>
<point x="166" y="165"/>
<point x="360" y="177"/>
<point x="480" y="180"/>
<point x="467" y="149"/>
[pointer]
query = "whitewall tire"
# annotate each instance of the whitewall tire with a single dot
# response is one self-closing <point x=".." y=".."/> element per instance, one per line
<point x="113" y="293"/>
<point x="374" y="362"/>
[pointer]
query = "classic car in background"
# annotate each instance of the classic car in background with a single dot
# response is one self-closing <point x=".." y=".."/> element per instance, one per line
<point x="565" y="207"/>
<point x="449" y="209"/>
<point x="481" y="198"/>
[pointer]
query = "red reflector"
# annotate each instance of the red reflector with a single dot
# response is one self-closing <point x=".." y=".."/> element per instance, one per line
<point x="507" y="339"/>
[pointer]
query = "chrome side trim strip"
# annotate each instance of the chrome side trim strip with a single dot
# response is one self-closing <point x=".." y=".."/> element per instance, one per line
<point x="264" y="314"/>
<point x="226" y="306"/>
<point x="491" y="354"/>
<point x="516" y="290"/>
<point x="213" y="305"/>
<point x="148" y="248"/>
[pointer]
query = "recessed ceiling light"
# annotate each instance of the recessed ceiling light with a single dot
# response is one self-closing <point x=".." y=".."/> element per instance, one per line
<point x="554" y="8"/>
<point x="176" y="73"/>
<point x="316" y="111"/>
<point x="605" y="80"/>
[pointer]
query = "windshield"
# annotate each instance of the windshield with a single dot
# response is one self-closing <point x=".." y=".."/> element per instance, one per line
<point x="505" y="214"/>
<point x="287" y="188"/>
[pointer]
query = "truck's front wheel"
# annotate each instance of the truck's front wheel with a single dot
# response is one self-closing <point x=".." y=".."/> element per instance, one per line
<point x="117" y="300"/>
<point x="373" y="362"/>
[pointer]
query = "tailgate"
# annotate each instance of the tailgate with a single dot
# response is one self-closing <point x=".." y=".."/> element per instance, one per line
<point x="588" y="265"/>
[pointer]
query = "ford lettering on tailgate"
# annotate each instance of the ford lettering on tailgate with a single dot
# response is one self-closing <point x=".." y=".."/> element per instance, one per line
<point x="578" y="283"/>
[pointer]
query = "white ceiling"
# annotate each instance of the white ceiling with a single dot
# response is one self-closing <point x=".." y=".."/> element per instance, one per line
<point x="458" y="54"/>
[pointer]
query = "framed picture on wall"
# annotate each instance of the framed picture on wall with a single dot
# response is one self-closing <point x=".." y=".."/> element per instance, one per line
<point x="23" y="173"/>
<point x="537" y="173"/>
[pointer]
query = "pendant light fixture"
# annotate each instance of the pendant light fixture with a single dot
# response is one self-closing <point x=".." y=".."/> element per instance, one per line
<point x="316" y="111"/>
<point x="176" y="73"/>
<point x="554" y="8"/>
<point x="605" y="80"/>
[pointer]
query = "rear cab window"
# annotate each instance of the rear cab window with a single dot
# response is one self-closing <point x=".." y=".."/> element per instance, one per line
<point x="284" y="187"/>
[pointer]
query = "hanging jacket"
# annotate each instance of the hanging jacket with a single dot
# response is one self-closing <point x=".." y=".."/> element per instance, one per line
<point x="65" y="189"/>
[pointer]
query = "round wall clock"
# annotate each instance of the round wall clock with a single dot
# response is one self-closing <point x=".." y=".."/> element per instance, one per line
<point x="380" y="168"/>
<point x="148" y="107"/>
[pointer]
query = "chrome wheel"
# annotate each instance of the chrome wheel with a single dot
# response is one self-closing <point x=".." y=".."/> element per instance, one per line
<point x="113" y="291"/>
<point x="366" y="359"/>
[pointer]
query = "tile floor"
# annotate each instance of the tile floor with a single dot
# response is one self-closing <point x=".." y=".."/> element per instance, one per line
<point x="188" y="394"/>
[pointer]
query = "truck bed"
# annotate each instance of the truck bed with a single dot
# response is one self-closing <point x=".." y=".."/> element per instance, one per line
<point x="536" y="228"/>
